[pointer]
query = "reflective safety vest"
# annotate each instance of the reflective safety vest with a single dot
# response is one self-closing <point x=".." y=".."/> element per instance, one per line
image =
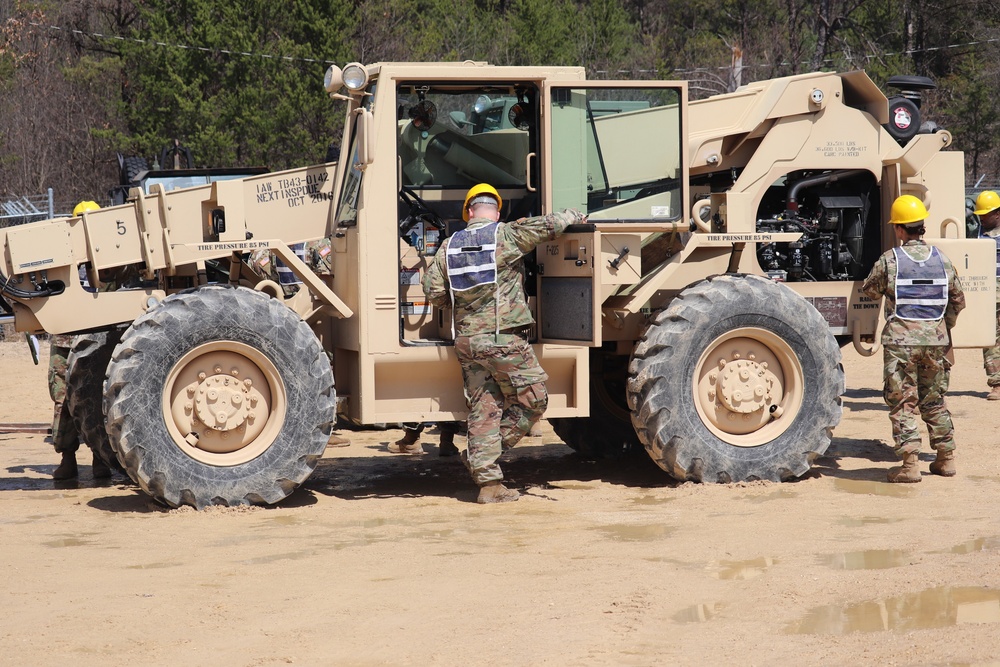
<point x="285" y="276"/>
<point x="472" y="258"/>
<point x="921" y="287"/>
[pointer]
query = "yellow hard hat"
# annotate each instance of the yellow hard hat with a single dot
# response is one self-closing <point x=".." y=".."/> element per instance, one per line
<point x="475" y="191"/>
<point x="987" y="201"/>
<point x="907" y="210"/>
<point x="85" y="206"/>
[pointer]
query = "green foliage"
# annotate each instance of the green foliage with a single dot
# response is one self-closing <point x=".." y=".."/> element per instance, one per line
<point x="250" y="94"/>
<point x="239" y="82"/>
<point x="971" y="112"/>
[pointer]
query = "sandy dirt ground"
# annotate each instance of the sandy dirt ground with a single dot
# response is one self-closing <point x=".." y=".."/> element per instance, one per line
<point x="387" y="560"/>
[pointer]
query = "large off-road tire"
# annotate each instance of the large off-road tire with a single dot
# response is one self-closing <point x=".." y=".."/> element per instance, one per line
<point x="219" y="396"/>
<point x="607" y="433"/>
<point x="131" y="168"/>
<point x="738" y="379"/>
<point x="85" y="370"/>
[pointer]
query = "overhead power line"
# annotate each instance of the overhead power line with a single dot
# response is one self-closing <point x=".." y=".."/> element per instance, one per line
<point x="187" y="47"/>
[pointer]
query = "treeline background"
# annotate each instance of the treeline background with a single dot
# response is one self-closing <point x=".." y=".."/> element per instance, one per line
<point x="240" y="81"/>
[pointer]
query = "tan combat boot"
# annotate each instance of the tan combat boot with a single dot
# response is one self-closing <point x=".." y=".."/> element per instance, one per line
<point x="495" y="492"/>
<point x="908" y="473"/>
<point x="994" y="394"/>
<point x="99" y="469"/>
<point x="944" y="464"/>
<point x="447" y="445"/>
<point x="337" y="441"/>
<point x="408" y="444"/>
<point x="67" y="467"/>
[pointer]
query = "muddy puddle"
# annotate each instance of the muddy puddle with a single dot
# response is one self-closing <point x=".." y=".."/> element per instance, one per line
<point x="740" y="570"/>
<point x="68" y="542"/>
<point x="636" y="532"/>
<point x="858" y="522"/>
<point x="870" y="488"/>
<point x="940" y="607"/>
<point x="698" y="613"/>
<point x="872" y="559"/>
<point x="974" y="546"/>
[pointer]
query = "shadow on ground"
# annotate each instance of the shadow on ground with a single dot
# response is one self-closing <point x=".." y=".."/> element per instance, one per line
<point x="530" y="469"/>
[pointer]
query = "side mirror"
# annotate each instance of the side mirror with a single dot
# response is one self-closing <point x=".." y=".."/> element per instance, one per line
<point x="366" y="137"/>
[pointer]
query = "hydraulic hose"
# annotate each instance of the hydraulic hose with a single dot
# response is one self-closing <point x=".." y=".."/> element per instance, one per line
<point x="52" y="288"/>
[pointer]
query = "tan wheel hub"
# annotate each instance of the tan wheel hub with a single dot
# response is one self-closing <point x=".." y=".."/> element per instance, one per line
<point x="745" y="383"/>
<point x="224" y="403"/>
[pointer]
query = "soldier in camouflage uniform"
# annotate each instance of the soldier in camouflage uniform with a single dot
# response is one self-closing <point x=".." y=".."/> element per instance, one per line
<point x="923" y="297"/>
<point x="988" y="211"/>
<point x="318" y="256"/>
<point x="477" y="273"/>
<point x="65" y="437"/>
<point x="410" y="442"/>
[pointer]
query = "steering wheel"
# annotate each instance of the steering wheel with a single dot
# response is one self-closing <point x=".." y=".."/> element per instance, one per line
<point x="418" y="211"/>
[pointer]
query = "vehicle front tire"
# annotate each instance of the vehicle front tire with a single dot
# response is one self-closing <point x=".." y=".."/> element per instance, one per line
<point x="737" y="379"/>
<point x="219" y="396"/>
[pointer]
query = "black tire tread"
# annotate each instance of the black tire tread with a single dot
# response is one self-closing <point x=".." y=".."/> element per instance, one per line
<point x="165" y="333"/>
<point x="658" y="392"/>
<point x="86" y="367"/>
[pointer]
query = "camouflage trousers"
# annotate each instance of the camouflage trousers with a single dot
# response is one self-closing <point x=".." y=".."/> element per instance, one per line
<point x="505" y="390"/>
<point x="991" y="358"/>
<point x="64" y="434"/>
<point x="916" y="380"/>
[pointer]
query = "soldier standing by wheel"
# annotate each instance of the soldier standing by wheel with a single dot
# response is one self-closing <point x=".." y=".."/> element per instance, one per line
<point x="65" y="436"/>
<point x="923" y="297"/>
<point x="478" y="273"/>
<point x="988" y="212"/>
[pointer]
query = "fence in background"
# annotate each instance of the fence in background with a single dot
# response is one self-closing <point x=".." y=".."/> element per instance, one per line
<point x="27" y="209"/>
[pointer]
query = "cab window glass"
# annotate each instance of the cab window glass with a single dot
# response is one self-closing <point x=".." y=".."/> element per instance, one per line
<point x="616" y="152"/>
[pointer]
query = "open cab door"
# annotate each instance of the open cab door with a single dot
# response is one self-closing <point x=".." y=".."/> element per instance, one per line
<point x="615" y="150"/>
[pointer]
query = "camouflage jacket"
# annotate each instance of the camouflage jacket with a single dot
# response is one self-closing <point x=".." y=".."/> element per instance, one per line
<point x="489" y="308"/>
<point x="881" y="282"/>
<point x="317" y="255"/>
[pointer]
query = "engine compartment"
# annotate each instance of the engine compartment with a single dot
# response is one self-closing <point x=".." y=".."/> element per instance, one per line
<point x="837" y="214"/>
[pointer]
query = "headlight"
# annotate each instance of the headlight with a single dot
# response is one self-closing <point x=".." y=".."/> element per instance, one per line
<point x="482" y="104"/>
<point x="355" y="77"/>
<point x="333" y="79"/>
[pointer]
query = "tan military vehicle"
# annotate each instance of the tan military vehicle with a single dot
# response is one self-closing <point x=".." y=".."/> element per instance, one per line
<point x="697" y="314"/>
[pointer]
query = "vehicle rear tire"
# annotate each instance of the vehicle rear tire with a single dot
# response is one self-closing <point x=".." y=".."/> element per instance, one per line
<point x="85" y="370"/>
<point x="738" y="379"/>
<point x="607" y="433"/>
<point x="131" y="168"/>
<point x="219" y="396"/>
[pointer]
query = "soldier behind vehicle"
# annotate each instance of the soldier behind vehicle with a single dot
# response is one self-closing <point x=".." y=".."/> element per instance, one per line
<point x="65" y="438"/>
<point x="923" y="297"/>
<point x="317" y="255"/>
<point x="988" y="212"/>
<point x="410" y="442"/>
<point x="477" y="273"/>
